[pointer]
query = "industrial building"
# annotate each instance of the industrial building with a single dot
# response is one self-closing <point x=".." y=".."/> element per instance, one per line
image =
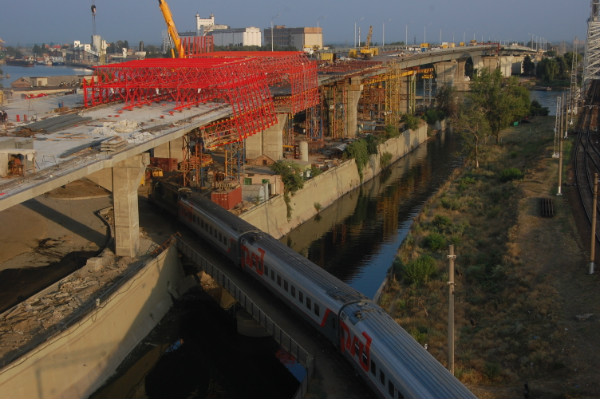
<point x="298" y="38"/>
<point x="250" y="36"/>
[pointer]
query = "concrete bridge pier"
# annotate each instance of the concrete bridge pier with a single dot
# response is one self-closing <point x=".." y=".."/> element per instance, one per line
<point x="452" y="73"/>
<point x="355" y="89"/>
<point x="127" y="176"/>
<point x="408" y="94"/>
<point x="477" y="63"/>
<point x="269" y="142"/>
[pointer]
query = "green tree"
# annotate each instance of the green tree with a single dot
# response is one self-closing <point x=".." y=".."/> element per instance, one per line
<point x="500" y="101"/>
<point x="445" y="101"/>
<point x="472" y="125"/>
<point x="547" y="70"/>
<point x="528" y="66"/>
<point x="291" y="175"/>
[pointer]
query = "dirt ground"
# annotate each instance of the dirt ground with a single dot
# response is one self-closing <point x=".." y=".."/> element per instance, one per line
<point x="554" y="254"/>
<point x="556" y="251"/>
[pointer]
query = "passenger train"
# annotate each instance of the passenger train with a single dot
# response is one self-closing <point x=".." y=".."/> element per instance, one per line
<point x="383" y="353"/>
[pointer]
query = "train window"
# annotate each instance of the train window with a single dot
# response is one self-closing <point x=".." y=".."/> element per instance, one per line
<point x="300" y="296"/>
<point x="391" y="388"/>
<point x="293" y="289"/>
<point x="373" y="368"/>
<point x="382" y="377"/>
<point x="272" y="275"/>
<point x="266" y="271"/>
<point x="316" y="309"/>
<point x="364" y="358"/>
<point x="308" y="302"/>
<point x="285" y="285"/>
<point x="279" y="280"/>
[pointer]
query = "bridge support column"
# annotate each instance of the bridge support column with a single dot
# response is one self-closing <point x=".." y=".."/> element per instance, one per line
<point x="517" y="64"/>
<point x="477" y="63"/>
<point x="490" y="63"/>
<point x="446" y="73"/>
<point x="408" y="93"/>
<point x="127" y="176"/>
<point x="506" y="65"/>
<point x="269" y="142"/>
<point x="354" y="92"/>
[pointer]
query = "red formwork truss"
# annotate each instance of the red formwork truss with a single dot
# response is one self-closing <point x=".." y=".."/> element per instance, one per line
<point x="246" y="81"/>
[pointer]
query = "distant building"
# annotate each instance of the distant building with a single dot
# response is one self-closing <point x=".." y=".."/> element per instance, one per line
<point x="298" y="38"/>
<point x="224" y="35"/>
<point x="250" y="36"/>
<point x="205" y="25"/>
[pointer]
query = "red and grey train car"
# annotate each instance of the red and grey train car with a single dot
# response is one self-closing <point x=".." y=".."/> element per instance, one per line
<point x="381" y="351"/>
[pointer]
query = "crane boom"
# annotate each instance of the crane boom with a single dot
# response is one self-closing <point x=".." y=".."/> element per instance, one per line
<point x="164" y="7"/>
<point x="369" y="36"/>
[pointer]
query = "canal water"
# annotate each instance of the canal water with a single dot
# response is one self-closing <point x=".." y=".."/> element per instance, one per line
<point x="357" y="238"/>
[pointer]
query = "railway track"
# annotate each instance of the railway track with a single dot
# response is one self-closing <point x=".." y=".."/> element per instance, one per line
<point x="587" y="152"/>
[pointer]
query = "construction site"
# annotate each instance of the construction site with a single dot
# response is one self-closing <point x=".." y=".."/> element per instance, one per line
<point x="203" y="120"/>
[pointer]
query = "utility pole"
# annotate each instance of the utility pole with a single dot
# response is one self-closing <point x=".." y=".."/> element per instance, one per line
<point x="451" y="258"/>
<point x="560" y="156"/>
<point x="593" y="238"/>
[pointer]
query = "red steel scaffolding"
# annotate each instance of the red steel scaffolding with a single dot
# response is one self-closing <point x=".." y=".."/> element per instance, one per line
<point x="247" y="81"/>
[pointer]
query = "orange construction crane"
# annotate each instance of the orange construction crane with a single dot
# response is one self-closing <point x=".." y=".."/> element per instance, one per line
<point x="164" y="7"/>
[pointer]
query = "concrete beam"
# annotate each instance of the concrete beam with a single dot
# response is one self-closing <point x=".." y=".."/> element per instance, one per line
<point x="127" y="177"/>
<point x="66" y="172"/>
<point x="171" y="149"/>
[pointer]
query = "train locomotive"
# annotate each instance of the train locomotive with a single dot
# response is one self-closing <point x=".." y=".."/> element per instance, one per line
<point x="382" y="352"/>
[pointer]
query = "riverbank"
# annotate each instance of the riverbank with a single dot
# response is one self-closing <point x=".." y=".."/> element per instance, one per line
<point x="521" y="279"/>
<point x="323" y="190"/>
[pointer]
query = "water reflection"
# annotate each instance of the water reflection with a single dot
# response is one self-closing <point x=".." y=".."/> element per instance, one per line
<point x="356" y="238"/>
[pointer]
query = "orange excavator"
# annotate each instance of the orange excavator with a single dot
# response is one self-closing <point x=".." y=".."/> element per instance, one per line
<point x="166" y="11"/>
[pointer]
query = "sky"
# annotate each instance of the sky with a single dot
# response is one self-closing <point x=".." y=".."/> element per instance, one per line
<point x="26" y="22"/>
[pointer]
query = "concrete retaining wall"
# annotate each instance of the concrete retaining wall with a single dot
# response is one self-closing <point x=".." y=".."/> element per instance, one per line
<point x="76" y="362"/>
<point x="326" y="188"/>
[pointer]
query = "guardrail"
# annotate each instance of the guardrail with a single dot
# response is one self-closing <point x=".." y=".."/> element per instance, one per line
<point x="278" y="334"/>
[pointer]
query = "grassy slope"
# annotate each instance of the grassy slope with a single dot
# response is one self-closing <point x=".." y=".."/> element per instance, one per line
<point x="509" y="307"/>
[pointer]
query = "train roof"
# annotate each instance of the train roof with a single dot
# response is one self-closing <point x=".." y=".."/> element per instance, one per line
<point x="304" y="269"/>
<point x="220" y="214"/>
<point x="422" y="375"/>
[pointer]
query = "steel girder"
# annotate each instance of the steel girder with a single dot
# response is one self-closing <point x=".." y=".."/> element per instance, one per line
<point x="244" y="80"/>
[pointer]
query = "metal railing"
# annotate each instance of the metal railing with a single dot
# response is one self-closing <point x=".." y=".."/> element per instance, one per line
<point x="278" y="334"/>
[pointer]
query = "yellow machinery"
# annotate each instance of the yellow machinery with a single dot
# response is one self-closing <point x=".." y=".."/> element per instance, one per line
<point x="366" y="51"/>
<point x="164" y="7"/>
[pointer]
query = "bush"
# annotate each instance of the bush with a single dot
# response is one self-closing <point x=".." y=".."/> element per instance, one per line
<point x="435" y="241"/>
<point x="420" y="270"/>
<point x="442" y="223"/>
<point x="433" y="115"/>
<point x="411" y="121"/>
<point x="359" y="151"/>
<point x="385" y="160"/>
<point x="391" y="131"/>
<point x="511" y="174"/>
